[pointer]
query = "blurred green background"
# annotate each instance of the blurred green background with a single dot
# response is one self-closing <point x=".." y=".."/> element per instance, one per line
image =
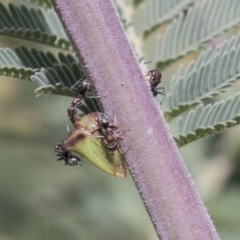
<point x="41" y="198"/>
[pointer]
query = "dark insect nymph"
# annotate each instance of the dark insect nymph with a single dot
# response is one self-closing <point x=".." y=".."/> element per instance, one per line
<point x="155" y="79"/>
<point x="68" y="158"/>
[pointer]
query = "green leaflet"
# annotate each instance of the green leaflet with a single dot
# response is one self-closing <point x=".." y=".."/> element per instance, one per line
<point x="153" y="13"/>
<point x="208" y="120"/>
<point x="33" y="24"/>
<point x="188" y="32"/>
<point x="52" y="75"/>
<point x="213" y="72"/>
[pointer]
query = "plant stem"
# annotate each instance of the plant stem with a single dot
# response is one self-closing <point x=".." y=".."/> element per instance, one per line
<point x="154" y="162"/>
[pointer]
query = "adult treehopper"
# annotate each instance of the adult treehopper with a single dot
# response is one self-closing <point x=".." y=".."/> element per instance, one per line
<point x="87" y="140"/>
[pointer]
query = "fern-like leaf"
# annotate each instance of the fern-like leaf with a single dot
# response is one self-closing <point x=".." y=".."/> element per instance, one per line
<point x="55" y="76"/>
<point x="153" y="13"/>
<point x="11" y="65"/>
<point x="32" y="59"/>
<point x="207" y="120"/>
<point x="33" y="24"/>
<point x="38" y="59"/>
<point x="63" y="70"/>
<point x="213" y="72"/>
<point x="50" y="74"/>
<point x="201" y="24"/>
<point x="59" y="80"/>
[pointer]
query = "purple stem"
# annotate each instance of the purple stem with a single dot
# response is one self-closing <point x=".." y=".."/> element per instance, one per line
<point x="160" y="175"/>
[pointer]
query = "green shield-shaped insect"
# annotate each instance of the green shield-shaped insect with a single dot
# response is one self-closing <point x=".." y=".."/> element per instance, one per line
<point x="86" y="140"/>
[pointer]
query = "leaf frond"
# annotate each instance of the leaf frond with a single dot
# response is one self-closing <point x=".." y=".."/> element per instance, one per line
<point x="21" y="73"/>
<point x="189" y="32"/>
<point x="61" y="73"/>
<point x="153" y="13"/>
<point x="64" y="69"/>
<point x="37" y="59"/>
<point x="51" y="75"/>
<point x="213" y="72"/>
<point x="33" y="24"/>
<point x="207" y="120"/>
<point x="11" y="65"/>
<point x="59" y="80"/>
